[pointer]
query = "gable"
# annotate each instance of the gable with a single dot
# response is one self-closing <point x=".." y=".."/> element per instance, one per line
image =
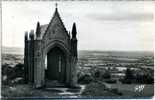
<point x="56" y="28"/>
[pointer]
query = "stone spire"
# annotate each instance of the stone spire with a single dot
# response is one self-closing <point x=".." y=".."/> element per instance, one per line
<point x="31" y="35"/>
<point x="26" y="35"/>
<point x="38" y="30"/>
<point x="74" y="32"/>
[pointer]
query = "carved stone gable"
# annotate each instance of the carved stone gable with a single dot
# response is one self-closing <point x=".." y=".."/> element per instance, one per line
<point x="56" y="29"/>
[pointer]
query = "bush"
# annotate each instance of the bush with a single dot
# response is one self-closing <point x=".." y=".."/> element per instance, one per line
<point x="129" y="77"/>
<point x="16" y="91"/>
<point x="139" y="77"/>
<point x="85" y="79"/>
<point x="126" y="81"/>
<point x="106" y="75"/>
<point x="144" y="79"/>
<point x="129" y="74"/>
<point x="149" y="79"/>
<point x="12" y="73"/>
<point x="97" y="89"/>
<point x="19" y="69"/>
<point x="110" y="81"/>
<point x="116" y="91"/>
<point x="97" y="74"/>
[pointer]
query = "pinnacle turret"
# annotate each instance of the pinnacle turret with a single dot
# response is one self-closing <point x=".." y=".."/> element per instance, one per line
<point x="38" y="30"/>
<point x="26" y="35"/>
<point x="74" y="32"/>
<point x="31" y="35"/>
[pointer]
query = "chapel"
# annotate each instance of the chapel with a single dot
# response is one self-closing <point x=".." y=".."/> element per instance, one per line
<point x="50" y="54"/>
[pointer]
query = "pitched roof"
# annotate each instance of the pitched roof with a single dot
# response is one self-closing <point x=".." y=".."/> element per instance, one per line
<point x="56" y="17"/>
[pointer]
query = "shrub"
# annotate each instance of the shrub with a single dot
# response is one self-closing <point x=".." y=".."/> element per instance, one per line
<point x="106" y="75"/>
<point x="12" y="73"/>
<point x="16" y="91"/>
<point x="110" y="81"/>
<point x="126" y="81"/>
<point x="144" y="79"/>
<point x="97" y="89"/>
<point x="129" y="77"/>
<point x="129" y="74"/>
<point x="97" y="74"/>
<point x="85" y="79"/>
<point x="116" y="91"/>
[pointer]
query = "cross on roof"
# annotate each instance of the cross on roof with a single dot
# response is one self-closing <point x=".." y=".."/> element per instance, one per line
<point x="56" y="5"/>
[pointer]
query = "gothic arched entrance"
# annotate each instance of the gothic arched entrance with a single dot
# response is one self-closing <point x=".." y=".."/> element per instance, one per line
<point x="56" y="65"/>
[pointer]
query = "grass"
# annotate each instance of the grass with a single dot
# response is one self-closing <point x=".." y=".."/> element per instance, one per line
<point x="98" y="89"/>
<point x="16" y="91"/>
<point x="23" y="90"/>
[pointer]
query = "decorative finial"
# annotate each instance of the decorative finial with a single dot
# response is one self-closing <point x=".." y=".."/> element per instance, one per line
<point x="56" y="5"/>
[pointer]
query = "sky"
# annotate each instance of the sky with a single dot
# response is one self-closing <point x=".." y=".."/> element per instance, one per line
<point x="101" y="25"/>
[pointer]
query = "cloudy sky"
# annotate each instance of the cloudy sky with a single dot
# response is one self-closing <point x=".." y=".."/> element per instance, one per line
<point x="101" y="25"/>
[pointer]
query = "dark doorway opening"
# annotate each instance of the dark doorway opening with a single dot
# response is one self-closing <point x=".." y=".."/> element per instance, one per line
<point x="55" y="65"/>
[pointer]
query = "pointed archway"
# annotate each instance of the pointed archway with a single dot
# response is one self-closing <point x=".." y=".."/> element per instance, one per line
<point x="56" y="65"/>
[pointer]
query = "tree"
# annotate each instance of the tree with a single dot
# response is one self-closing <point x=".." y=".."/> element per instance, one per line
<point x="106" y="75"/>
<point x="97" y="74"/>
<point x="128" y="76"/>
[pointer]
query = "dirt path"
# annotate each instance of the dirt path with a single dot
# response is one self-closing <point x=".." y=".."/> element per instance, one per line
<point x="27" y="91"/>
<point x="62" y="91"/>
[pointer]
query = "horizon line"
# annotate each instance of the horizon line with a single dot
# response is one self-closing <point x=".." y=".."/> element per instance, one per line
<point x="92" y="49"/>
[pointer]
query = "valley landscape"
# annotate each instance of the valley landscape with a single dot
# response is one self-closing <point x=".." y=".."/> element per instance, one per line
<point x="100" y="74"/>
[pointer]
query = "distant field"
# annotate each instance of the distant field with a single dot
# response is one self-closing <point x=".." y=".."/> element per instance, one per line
<point x="14" y="50"/>
<point x="87" y="62"/>
<point x="100" y="57"/>
<point x="116" y="53"/>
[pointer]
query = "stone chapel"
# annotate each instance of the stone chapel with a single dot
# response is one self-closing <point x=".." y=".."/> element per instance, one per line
<point x="50" y="54"/>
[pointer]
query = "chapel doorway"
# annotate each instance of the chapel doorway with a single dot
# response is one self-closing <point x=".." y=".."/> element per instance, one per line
<point x="56" y="65"/>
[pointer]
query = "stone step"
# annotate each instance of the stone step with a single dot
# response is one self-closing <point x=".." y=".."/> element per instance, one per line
<point x="50" y="83"/>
